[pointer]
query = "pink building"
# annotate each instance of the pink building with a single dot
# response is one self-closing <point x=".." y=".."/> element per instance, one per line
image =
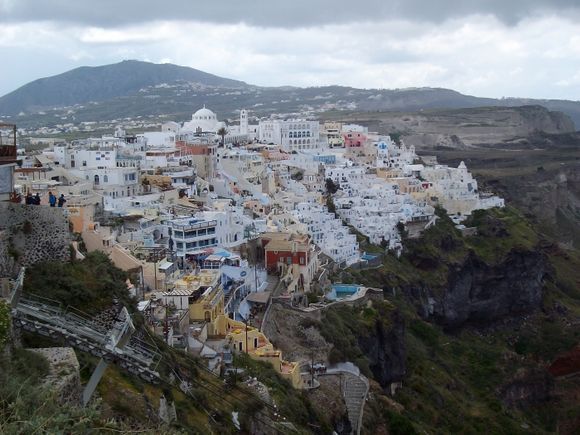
<point x="354" y="139"/>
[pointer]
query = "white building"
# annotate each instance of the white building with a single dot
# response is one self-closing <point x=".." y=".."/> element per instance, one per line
<point x="81" y="158"/>
<point x="456" y="189"/>
<point x="203" y="121"/>
<point x="328" y="232"/>
<point x="192" y="235"/>
<point x="207" y="229"/>
<point x="374" y="205"/>
<point x="345" y="174"/>
<point x="164" y="139"/>
<point x="390" y="155"/>
<point x="291" y="135"/>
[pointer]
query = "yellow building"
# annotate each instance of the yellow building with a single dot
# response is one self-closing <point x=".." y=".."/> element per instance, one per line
<point x="81" y="210"/>
<point x="204" y="294"/>
<point x="248" y="339"/>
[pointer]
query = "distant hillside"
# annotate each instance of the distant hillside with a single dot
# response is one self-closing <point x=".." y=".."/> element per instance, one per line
<point x="460" y="128"/>
<point x="134" y="89"/>
<point x="101" y="83"/>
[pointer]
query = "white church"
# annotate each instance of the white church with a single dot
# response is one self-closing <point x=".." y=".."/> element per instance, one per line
<point x="204" y="123"/>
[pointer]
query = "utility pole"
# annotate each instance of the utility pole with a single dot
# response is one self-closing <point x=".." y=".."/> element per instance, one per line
<point x="312" y="369"/>
<point x="166" y="326"/>
<point x="255" y="278"/>
<point x="142" y="284"/>
<point x="154" y="254"/>
<point x="155" y="272"/>
<point x="246" y="322"/>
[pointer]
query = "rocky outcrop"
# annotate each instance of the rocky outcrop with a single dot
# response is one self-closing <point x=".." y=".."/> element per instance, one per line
<point x="480" y="293"/>
<point x="385" y="350"/>
<point x="527" y="387"/>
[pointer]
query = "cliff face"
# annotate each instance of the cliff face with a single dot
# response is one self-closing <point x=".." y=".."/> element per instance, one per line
<point x="480" y="293"/>
<point x="385" y="350"/>
<point x="460" y="128"/>
<point x="527" y="388"/>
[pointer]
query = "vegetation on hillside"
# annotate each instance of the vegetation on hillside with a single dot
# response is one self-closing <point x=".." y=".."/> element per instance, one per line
<point x="27" y="405"/>
<point x="4" y="323"/>
<point x="89" y="285"/>
<point x="429" y="259"/>
<point x="292" y="404"/>
<point x="463" y="382"/>
<point x="342" y="325"/>
<point x="92" y="285"/>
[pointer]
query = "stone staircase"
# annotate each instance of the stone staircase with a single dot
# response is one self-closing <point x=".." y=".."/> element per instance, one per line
<point x="354" y="390"/>
<point x="274" y="288"/>
<point x="272" y="283"/>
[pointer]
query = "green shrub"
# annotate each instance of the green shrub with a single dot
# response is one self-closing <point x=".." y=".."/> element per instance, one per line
<point x="425" y="332"/>
<point x="88" y="285"/>
<point x="312" y="297"/>
<point x="4" y="323"/>
<point x="399" y="424"/>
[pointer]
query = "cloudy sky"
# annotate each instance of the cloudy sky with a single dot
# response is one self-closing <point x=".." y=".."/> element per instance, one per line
<point x="493" y="48"/>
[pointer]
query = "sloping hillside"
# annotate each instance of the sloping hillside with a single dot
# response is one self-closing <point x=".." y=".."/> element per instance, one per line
<point x="85" y="84"/>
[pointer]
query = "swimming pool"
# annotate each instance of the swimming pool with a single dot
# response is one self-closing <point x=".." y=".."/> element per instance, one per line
<point x="342" y="291"/>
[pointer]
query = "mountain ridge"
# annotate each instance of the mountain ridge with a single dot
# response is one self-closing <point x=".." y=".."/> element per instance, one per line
<point x="84" y="84"/>
<point x="138" y="82"/>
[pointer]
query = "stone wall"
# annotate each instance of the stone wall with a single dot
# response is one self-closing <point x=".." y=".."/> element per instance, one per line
<point x="8" y="266"/>
<point x="64" y="375"/>
<point x="30" y="234"/>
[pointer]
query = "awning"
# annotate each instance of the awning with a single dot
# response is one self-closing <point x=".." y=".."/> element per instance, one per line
<point x="165" y="265"/>
<point x="214" y="257"/>
<point x="233" y="272"/>
<point x="259" y="297"/>
<point x="143" y="305"/>
<point x="43" y="160"/>
<point x="206" y="252"/>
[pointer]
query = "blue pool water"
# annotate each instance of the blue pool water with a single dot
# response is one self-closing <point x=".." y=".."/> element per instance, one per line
<point x="368" y="257"/>
<point x="341" y="291"/>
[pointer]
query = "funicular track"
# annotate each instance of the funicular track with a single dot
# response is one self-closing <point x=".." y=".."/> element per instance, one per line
<point x="47" y="318"/>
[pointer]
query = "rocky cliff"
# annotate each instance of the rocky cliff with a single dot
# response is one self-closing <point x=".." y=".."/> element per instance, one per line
<point x="385" y="350"/>
<point x="527" y="387"/>
<point x="460" y="128"/>
<point x="480" y="293"/>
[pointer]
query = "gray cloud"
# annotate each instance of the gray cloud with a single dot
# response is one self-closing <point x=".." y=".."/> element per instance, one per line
<point x="272" y="13"/>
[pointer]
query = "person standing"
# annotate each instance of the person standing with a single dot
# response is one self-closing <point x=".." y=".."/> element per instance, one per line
<point x="61" y="200"/>
<point x="36" y="199"/>
<point x="51" y="199"/>
<point x="29" y="200"/>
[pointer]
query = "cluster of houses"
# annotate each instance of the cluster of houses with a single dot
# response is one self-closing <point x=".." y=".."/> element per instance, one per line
<point x="215" y="220"/>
